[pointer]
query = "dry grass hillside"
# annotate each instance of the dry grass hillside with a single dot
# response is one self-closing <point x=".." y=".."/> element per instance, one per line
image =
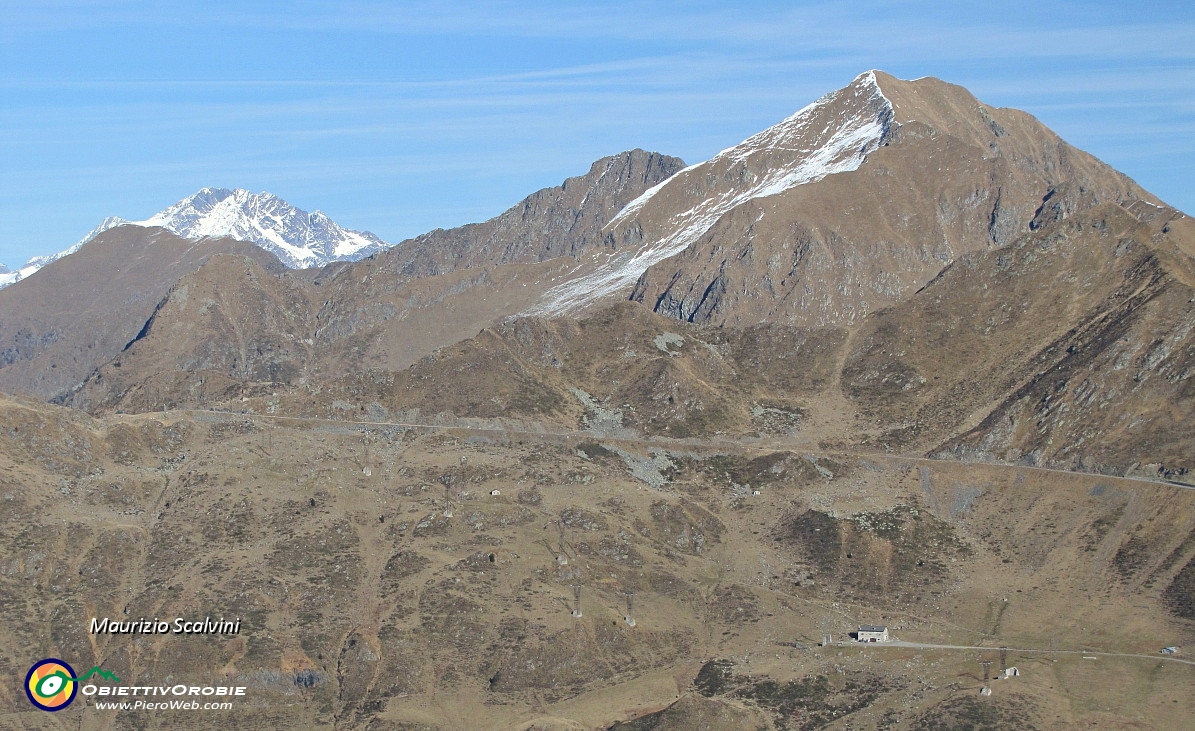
<point x="381" y="585"/>
<point x="1069" y="348"/>
<point x="624" y="370"/>
<point x="80" y="311"/>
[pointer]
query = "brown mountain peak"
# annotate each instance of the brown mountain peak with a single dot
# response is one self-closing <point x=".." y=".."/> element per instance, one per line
<point x="846" y="206"/>
<point x="557" y="221"/>
<point x="81" y="310"/>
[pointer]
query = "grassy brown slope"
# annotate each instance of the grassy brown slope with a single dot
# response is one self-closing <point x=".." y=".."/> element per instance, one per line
<point x="1062" y="314"/>
<point x="623" y="368"/>
<point x="363" y="603"/>
<point x="78" y="312"/>
<point x="230" y="322"/>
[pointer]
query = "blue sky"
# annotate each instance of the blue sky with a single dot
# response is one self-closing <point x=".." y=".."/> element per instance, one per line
<point x="399" y="117"/>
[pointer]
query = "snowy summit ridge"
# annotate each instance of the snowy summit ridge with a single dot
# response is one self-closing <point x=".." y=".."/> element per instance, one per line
<point x="299" y="239"/>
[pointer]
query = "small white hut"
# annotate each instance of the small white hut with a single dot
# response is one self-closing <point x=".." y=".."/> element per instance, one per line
<point x="872" y="633"/>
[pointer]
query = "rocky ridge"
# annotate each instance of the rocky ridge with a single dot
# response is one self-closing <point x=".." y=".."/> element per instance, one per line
<point x="563" y="221"/>
<point x="844" y="208"/>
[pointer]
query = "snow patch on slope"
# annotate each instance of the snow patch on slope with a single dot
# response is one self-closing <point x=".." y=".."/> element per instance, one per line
<point x="810" y="145"/>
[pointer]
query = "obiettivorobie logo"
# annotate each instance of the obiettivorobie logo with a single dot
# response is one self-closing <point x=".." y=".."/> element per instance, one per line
<point x="51" y="684"/>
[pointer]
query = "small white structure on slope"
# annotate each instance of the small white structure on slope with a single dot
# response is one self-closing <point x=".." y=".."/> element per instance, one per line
<point x="577" y="602"/>
<point x="872" y="633"/>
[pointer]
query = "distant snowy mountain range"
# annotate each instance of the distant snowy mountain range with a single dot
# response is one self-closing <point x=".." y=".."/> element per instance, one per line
<point x="299" y="239"/>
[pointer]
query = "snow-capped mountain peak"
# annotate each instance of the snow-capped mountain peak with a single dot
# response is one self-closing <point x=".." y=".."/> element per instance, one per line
<point x="299" y="239"/>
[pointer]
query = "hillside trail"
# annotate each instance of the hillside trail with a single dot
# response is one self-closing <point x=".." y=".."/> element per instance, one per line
<point x="1096" y="653"/>
<point x="762" y="446"/>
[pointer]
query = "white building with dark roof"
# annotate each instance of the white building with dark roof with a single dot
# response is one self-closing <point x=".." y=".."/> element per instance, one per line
<point x="872" y="633"/>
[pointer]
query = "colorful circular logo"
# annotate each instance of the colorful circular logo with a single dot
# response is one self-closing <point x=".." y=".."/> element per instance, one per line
<point x="51" y="685"/>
